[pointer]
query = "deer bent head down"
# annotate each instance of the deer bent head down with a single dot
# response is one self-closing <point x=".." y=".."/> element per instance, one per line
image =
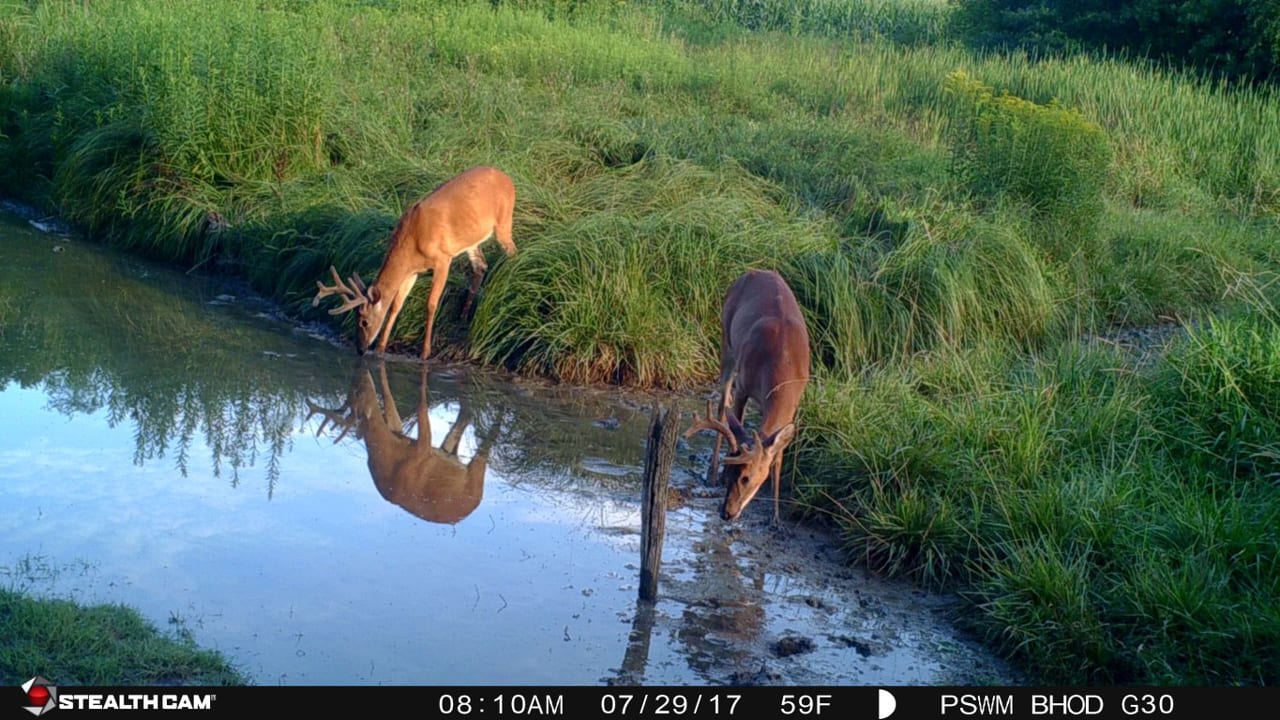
<point x="764" y="356"/>
<point x="455" y="218"/>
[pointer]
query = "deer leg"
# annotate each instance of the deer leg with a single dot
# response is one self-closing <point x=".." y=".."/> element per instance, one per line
<point x="739" y="408"/>
<point x="478" y="267"/>
<point x="389" y="410"/>
<point x="726" y="378"/>
<point x="393" y="312"/>
<point x="777" y="486"/>
<point x="503" y="232"/>
<point x="712" y="476"/>
<point x="438" y="277"/>
<point x="424" y="412"/>
<point x="454" y="437"/>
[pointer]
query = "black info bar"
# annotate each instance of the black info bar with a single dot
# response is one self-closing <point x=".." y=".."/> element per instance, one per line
<point x="845" y="703"/>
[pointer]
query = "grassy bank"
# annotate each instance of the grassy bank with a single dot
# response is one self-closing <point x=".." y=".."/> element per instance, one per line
<point x="73" y="644"/>
<point x="1109" y="524"/>
<point x="952" y="223"/>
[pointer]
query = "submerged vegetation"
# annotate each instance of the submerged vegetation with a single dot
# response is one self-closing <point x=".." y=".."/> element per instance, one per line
<point x="973" y="236"/>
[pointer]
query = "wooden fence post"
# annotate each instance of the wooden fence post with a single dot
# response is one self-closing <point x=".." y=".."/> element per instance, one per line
<point x="660" y="452"/>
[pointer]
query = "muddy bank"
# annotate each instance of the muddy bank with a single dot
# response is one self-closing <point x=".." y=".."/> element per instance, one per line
<point x="779" y="605"/>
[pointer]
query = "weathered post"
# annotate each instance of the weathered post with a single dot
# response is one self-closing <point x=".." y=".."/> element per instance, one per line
<point x="660" y="452"/>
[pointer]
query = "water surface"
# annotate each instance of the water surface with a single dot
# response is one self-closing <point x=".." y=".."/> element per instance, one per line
<point x="169" y="442"/>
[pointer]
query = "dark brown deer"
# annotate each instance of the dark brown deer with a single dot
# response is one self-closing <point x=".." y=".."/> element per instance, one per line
<point x="455" y="218"/>
<point x="431" y="483"/>
<point x="764" y="356"/>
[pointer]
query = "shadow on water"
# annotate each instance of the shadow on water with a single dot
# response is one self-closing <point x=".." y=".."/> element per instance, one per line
<point x="194" y="455"/>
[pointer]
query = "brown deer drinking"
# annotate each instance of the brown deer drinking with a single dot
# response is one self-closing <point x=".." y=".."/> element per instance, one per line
<point x="764" y="356"/>
<point x="455" y="218"/>
<point x="428" y="482"/>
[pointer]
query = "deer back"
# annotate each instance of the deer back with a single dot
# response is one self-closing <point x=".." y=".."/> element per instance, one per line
<point x="455" y="217"/>
<point x="767" y="345"/>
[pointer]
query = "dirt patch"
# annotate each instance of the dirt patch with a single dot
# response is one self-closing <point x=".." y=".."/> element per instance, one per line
<point x="1145" y="344"/>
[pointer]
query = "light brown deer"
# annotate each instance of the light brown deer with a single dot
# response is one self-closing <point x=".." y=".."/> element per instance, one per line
<point x="428" y="482"/>
<point x="764" y="356"/>
<point x="455" y="218"/>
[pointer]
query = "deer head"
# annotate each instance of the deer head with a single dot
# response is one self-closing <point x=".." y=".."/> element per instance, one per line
<point x="750" y="458"/>
<point x="366" y="301"/>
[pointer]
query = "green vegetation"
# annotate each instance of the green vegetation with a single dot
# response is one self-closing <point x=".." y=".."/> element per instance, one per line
<point x="99" y="645"/>
<point x="956" y="225"/>
<point x="1111" y="525"/>
<point x="1235" y="39"/>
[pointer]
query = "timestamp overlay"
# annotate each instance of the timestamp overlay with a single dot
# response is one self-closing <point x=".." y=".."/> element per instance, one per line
<point x="846" y="703"/>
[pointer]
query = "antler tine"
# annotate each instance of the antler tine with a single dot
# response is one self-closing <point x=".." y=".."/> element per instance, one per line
<point x="708" y="423"/>
<point x="323" y="290"/>
<point x="312" y="410"/>
<point x="331" y="416"/>
<point x="346" y="428"/>
<point x="749" y="454"/>
<point x="354" y="297"/>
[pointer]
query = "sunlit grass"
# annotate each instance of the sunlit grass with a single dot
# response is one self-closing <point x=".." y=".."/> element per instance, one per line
<point x="1095" y="512"/>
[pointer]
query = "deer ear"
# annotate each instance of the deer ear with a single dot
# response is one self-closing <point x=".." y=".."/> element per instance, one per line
<point x="783" y="436"/>
<point x="375" y="295"/>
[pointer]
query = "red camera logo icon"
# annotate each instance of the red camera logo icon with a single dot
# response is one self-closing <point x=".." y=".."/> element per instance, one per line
<point x="42" y="695"/>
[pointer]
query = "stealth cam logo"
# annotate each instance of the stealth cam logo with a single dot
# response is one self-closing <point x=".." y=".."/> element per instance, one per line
<point x="42" y="695"/>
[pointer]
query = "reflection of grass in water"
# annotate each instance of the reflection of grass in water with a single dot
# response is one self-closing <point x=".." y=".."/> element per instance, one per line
<point x="101" y="334"/>
<point x="31" y="569"/>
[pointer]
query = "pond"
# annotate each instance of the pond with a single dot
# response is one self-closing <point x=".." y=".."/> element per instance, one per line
<point x="171" y="442"/>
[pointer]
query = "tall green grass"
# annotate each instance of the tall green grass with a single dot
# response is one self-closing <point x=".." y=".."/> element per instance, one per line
<point x="903" y="21"/>
<point x="1047" y="157"/>
<point x="1107" y="525"/>
<point x="608" y="295"/>
<point x="955" y="280"/>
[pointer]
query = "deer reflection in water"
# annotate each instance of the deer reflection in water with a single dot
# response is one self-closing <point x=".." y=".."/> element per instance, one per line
<point x="429" y="482"/>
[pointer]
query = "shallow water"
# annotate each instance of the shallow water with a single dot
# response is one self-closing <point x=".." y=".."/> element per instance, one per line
<point x="169" y="442"/>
